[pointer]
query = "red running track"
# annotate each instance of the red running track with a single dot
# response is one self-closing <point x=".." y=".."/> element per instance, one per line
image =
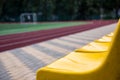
<point x="12" y="41"/>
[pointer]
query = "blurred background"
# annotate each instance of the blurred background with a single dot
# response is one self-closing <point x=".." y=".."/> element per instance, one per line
<point x="58" y="10"/>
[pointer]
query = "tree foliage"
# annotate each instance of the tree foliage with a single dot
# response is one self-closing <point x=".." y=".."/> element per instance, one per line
<point x="61" y="9"/>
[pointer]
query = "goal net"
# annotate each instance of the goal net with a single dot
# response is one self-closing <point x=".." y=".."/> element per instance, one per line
<point x="28" y="18"/>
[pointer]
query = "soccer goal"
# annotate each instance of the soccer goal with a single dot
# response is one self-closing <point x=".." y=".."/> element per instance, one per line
<point x="28" y="18"/>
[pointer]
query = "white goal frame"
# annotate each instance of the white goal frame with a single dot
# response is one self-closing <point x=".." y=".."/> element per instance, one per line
<point x="31" y="17"/>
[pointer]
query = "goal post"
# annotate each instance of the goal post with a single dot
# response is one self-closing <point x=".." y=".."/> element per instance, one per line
<point x="28" y="18"/>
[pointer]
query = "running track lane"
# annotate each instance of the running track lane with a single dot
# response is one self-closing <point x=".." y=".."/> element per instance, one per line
<point x="8" y="42"/>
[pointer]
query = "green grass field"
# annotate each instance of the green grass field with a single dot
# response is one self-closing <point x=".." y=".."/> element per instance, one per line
<point x="19" y="28"/>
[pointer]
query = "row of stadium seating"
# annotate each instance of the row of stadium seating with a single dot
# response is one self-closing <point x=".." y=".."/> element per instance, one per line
<point x="99" y="60"/>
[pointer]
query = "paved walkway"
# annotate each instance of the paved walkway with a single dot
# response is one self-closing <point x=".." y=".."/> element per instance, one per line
<point x="22" y="63"/>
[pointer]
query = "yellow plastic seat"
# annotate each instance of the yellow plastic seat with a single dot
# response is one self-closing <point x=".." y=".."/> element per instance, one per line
<point x="72" y="67"/>
<point x="110" y="35"/>
<point x="94" y="47"/>
<point x="86" y="66"/>
<point x="104" y="39"/>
